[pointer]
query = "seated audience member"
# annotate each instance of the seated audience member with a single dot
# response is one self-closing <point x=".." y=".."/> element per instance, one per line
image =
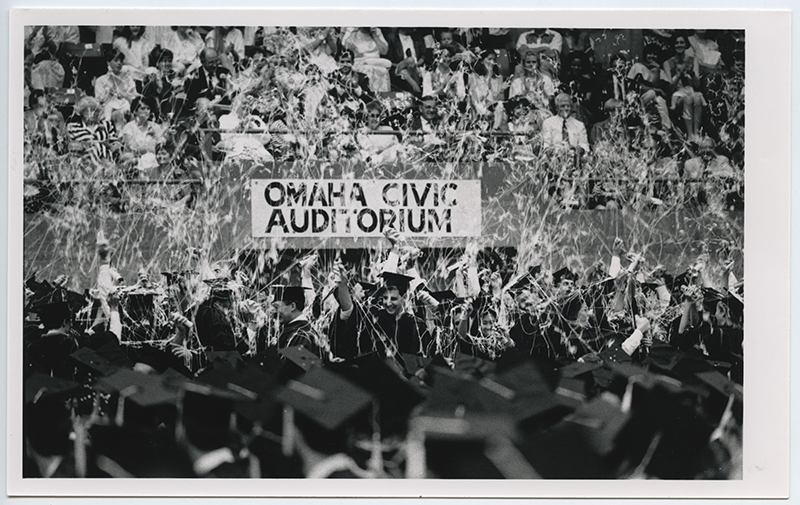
<point x="407" y="52"/>
<point x="486" y="90"/>
<point x="349" y="88"/>
<point x="682" y="72"/>
<point x="116" y="89"/>
<point x="579" y="83"/>
<point x="377" y="148"/>
<point x="228" y="41"/>
<point x="136" y="48"/>
<point x="319" y="45"/>
<point x="46" y="71"/>
<point x="90" y="134"/>
<point x="195" y="142"/>
<point x="368" y="46"/>
<point x="160" y="84"/>
<point x="540" y="39"/>
<point x="185" y="44"/>
<point x="43" y="123"/>
<point x="707" y="53"/>
<point x="141" y="135"/>
<point x="460" y="53"/>
<point x="648" y="81"/>
<point x="210" y="81"/>
<point x="532" y="85"/>
<point x="563" y="131"/>
<point x="441" y="80"/>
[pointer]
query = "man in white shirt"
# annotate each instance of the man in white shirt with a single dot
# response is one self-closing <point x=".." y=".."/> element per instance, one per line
<point x="563" y="131"/>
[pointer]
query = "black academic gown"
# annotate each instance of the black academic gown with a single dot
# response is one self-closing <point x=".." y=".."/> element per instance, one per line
<point x="214" y="329"/>
<point x="408" y="333"/>
<point x="298" y="332"/>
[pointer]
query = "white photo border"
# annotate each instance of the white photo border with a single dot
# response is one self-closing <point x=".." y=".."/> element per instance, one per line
<point x="767" y="238"/>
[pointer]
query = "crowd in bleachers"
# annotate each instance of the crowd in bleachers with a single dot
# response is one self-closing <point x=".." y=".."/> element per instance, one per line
<point x="160" y="102"/>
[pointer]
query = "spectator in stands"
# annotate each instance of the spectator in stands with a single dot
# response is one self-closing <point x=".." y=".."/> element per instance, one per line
<point x="198" y="143"/>
<point x="683" y="74"/>
<point x="228" y="41"/>
<point x="441" y="80"/>
<point x="407" y="51"/>
<point x="90" y="134"/>
<point x="539" y="39"/>
<point x="486" y="91"/>
<point x="460" y="53"/>
<point x="532" y="85"/>
<point x="160" y="83"/>
<point x="44" y="124"/>
<point x="186" y="45"/>
<point x="368" y="46"/>
<point x="314" y="93"/>
<point x="211" y="81"/>
<point x="141" y="135"/>
<point x="549" y="64"/>
<point x="115" y="89"/>
<point x="428" y="121"/>
<point x="522" y="119"/>
<point x="563" y="131"/>
<point x="46" y="71"/>
<point x="349" y="88"/>
<point x="579" y="83"/>
<point x="648" y="81"/>
<point x="706" y="52"/>
<point x="613" y="128"/>
<point x="377" y="148"/>
<point x="136" y="47"/>
<point x="319" y="45"/>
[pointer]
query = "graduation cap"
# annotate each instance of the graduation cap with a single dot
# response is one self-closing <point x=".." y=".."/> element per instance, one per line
<point x="447" y="296"/>
<point x="722" y="388"/>
<point x="176" y="275"/>
<point x="143" y="401"/>
<point x="206" y="414"/>
<point x="454" y="394"/>
<point x="124" y="452"/>
<point x="95" y="363"/>
<point x="398" y="281"/>
<point x="220" y="288"/>
<point x="602" y="421"/>
<point x="301" y="356"/>
<point x="40" y="385"/>
<point x="53" y="305"/>
<point x="230" y="358"/>
<point x="710" y="298"/>
<point x="325" y="398"/>
<point x="475" y="446"/>
<point x="526" y="279"/>
<point x="564" y="274"/>
<point x="568" y="450"/>
<point x="396" y="396"/>
<point x="289" y="294"/>
<point x="47" y="422"/>
<point x="369" y="288"/>
<point x="578" y="368"/>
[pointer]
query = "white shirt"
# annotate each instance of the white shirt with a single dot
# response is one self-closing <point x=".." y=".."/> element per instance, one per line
<point x="576" y="132"/>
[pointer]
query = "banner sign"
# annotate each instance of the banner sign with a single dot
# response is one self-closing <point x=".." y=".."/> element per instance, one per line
<point x="365" y="208"/>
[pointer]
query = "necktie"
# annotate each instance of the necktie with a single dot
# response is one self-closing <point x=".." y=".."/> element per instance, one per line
<point x="564" y="131"/>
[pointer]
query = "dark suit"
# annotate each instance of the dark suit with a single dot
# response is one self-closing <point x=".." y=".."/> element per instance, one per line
<point x="206" y="85"/>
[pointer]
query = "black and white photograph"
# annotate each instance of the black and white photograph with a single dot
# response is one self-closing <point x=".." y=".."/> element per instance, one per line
<point x="445" y="252"/>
